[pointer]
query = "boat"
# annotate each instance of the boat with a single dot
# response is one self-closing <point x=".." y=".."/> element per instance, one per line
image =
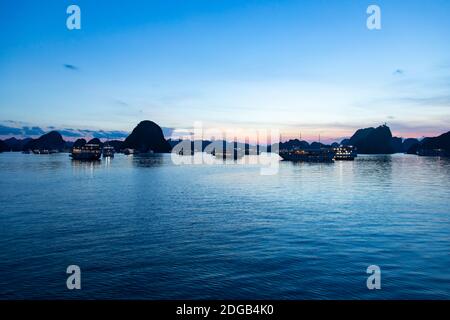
<point x="129" y="151"/>
<point x="108" y="151"/>
<point x="432" y="153"/>
<point x="41" y="151"/>
<point x="227" y="155"/>
<point x="308" y="155"/>
<point x="345" y="153"/>
<point x="87" y="152"/>
<point x="187" y="152"/>
<point x="145" y="153"/>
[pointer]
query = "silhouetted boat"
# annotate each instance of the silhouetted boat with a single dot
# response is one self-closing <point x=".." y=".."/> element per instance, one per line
<point x="44" y="151"/>
<point x="129" y="151"/>
<point x="345" y="153"/>
<point x="87" y="152"/>
<point x="308" y="155"/>
<point x="233" y="155"/>
<point x="432" y="153"/>
<point x="108" y="151"/>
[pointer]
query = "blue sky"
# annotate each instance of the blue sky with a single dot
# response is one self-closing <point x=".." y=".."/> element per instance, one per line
<point x="301" y="66"/>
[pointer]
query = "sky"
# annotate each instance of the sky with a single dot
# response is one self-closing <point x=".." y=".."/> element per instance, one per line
<point x="309" y="67"/>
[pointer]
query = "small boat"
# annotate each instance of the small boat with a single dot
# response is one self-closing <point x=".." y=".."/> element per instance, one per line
<point x="345" y="153"/>
<point x="108" y="151"/>
<point x="432" y="153"/>
<point x="145" y="153"/>
<point x="129" y="151"/>
<point x="308" y="155"/>
<point x="233" y="155"/>
<point x="87" y="152"/>
<point x="188" y="152"/>
<point x="41" y="151"/>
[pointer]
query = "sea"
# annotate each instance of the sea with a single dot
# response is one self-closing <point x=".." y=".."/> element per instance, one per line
<point x="144" y="227"/>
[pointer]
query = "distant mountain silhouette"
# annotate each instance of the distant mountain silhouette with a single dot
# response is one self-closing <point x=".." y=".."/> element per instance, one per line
<point x="79" y="143"/>
<point x="16" y="144"/>
<point x="196" y="145"/>
<point x="409" y="143"/>
<point x="335" y="145"/>
<point x="95" y="141"/>
<point x="3" y="146"/>
<point x="397" y="145"/>
<point x="147" y="136"/>
<point x="294" y="144"/>
<point x="318" y="145"/>
<point x="49" y="141"/>
<point x="372" y="140"/>
<point x="174" y="142"/>
<point x="413" y="149"/>
<point x="428" y="146"/>
<point x="440" y="142"/>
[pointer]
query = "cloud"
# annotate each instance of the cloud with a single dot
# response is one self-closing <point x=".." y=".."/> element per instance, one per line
<point x="5" y="130"/>
<point x="20" y="131"/>
<point x="70" y="133"/>
<point x="90" y="133"/>
<point x="121" y="103"/>
<point x="71" y="67"/>
<point x="432" y="101"/>
<point x="33" y="131"/>
<point x="419" y="128"/>
<point x="23" y="130"/>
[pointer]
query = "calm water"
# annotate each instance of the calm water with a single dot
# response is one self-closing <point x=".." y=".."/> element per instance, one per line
<point x="143" y="228"/>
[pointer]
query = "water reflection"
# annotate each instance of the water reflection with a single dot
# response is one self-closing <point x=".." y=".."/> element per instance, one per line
<point x="148" y="160"/>
<point x="107" y="161"/>
<point x="218" y="232"/>
<point x="311" y="164"/>
<point x="375" y="158"/>
<point x="85" y="166"/>
<point x="376" y="169"/>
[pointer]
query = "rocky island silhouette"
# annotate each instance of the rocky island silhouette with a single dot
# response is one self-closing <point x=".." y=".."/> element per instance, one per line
<point x="148" y="136"/>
